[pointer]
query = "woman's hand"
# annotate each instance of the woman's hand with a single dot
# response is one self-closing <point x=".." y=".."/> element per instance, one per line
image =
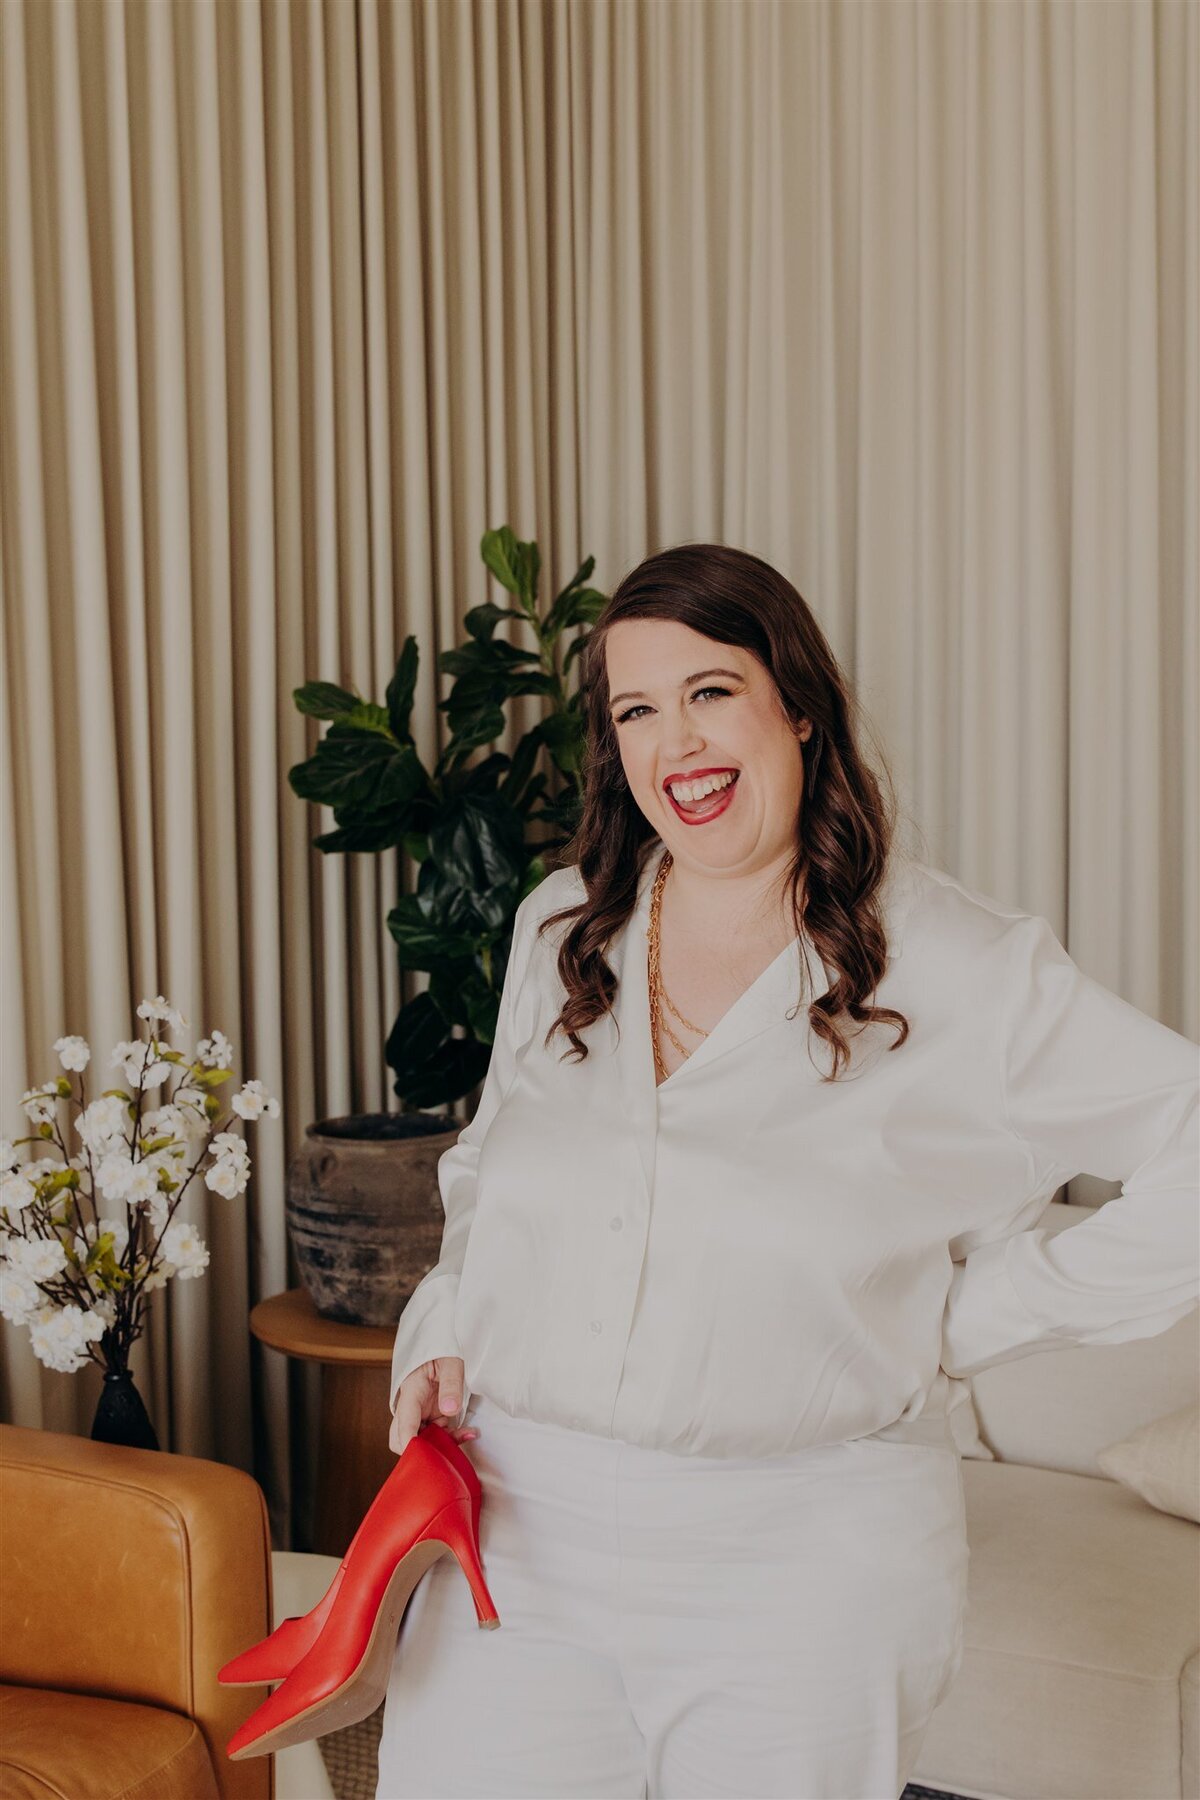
<point x="432" y="1391"/>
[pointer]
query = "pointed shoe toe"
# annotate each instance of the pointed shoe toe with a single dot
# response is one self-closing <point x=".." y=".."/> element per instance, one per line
<point x="278" y="1654"/>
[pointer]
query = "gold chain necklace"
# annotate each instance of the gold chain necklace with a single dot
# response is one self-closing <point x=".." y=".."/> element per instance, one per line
<point x="658" y="992"/>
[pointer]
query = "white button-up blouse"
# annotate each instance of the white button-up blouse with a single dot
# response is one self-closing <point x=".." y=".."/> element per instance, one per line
<point x="746" y="1260"/>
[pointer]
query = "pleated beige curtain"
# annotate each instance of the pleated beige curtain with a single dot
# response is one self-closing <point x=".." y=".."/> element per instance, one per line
<point x="298" y="300"/>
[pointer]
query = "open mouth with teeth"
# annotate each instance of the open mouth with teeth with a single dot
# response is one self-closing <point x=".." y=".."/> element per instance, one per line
<point x="701" y="800"/>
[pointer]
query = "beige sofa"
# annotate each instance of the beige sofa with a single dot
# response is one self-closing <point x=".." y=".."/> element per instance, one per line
<point x="1080" y="1677"/>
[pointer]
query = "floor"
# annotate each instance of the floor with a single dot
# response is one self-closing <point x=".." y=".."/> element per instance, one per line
<point x="351" y="1760"/>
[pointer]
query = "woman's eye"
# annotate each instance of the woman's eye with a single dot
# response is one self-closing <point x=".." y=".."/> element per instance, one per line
<point x="621" y="717"/>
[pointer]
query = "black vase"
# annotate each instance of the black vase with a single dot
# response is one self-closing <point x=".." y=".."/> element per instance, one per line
<point x="121" y="1416"/>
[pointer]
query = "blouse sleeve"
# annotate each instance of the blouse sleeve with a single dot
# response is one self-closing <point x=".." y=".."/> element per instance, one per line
<point x="426" y="1327"/>
<point x="1091" y="1086"/>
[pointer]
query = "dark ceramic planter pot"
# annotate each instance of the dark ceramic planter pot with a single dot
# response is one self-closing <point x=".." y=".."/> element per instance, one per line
<point x="364" y="1212"/>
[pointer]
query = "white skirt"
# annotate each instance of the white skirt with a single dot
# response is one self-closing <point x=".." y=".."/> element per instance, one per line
<point x="674" y="1627"/>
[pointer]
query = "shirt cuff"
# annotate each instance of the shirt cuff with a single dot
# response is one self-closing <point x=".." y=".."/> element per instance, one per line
<point x="426" y="1331"/>
<point x="985" y="1320"/>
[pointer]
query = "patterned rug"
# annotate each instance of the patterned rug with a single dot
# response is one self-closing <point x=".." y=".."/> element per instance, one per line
<point x="351" y="1757"/>
<point x="352" y="1760"/>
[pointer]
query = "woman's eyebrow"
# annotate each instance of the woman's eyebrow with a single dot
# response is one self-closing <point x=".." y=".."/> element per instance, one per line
<point x="700" y="675"/>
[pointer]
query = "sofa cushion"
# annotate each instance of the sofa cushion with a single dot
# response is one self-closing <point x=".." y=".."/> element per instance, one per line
<point x="1161" y="1462"/>
<point x="1082" y="1616"/>
<point x="59" y="1746"/>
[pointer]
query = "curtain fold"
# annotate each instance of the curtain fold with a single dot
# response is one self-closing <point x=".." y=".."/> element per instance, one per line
<point x="301" y="298"/>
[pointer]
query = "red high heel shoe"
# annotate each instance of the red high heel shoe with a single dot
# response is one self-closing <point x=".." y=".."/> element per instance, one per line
<point x="275" y="1656"/>
<point x="424" y="1509"/>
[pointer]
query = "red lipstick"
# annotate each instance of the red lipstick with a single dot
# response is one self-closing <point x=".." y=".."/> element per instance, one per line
<point x="708" y="809"/>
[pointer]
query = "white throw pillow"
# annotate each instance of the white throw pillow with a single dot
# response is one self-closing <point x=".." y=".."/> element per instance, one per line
<point x="1161" y="1462"/>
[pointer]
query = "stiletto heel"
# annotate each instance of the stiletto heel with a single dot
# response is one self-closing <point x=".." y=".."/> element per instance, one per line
<point x="274" y="1657"/>
<point x="426" y="1509"/>
<point x="456" y="1527"/>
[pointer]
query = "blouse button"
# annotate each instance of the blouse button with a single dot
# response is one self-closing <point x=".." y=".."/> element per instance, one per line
<point x="616" y="1223"/>
<point x="595" y="1324"/>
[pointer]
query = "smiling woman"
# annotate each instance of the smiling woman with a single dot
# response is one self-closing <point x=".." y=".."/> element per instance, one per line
<point x="708" y="1296"/>
<point x="718" y="720"/>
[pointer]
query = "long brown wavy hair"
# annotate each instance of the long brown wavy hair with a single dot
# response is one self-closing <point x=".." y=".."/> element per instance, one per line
<point x="847" y="818"/>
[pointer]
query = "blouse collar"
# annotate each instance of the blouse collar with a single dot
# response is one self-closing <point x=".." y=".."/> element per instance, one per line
<point x="759" y="1006"/>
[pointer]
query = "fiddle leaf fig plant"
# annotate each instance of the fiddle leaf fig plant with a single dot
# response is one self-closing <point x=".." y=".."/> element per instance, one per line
<point x="465" y="823"/>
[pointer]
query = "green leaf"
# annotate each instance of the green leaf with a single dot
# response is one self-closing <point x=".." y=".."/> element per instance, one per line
<point x="535" y="874"/>
<point x="49" y="1185"/>
<point x="481" y="621"/>
<point x="581" y="606"/>
<point x="367" y="716"/>
<point x="531" y="791"/>
<point x="563" y="733"/>
<point x="149" y="1145"/>
<point x="421" y="939"/>
<point x="401" y="689"/>
<point x="419" y="1029"/>
<point x="499" y="551"/>
<point x="376" y="831"/>
<point x="574" y="648"/>
<point x="532" y="557"/>
<point x="475" y="729"/>
<point x="432" y="1068"/>
<point x="521" y="767"/>
<point x="578" y="578"/>
<point x="479" y="848"/>
<point x="359" y="769"/>
<point x="515" y="565"/>
<point x="456" y="1069"/>
<point x="322" y="700"/>
<point x="476" y="687"/>
<point x="532" y="684"/>
<point x="209" y="1078"/>
<point x="493" y="658"/>
<point x="483" y="1009"/>
<point x="484" y="776"/>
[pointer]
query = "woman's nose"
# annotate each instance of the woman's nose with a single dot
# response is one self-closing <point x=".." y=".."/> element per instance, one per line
<point x="680" y="739"/>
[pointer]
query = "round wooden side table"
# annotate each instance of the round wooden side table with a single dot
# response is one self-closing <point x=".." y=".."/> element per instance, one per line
<point x="354" y="1459"/>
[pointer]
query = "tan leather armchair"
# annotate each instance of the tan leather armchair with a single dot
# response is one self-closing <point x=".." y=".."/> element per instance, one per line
<point x="127" y="1578"/>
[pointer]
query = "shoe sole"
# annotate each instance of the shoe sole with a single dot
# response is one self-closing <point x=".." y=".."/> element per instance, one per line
<point x="366" y="1687"/>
